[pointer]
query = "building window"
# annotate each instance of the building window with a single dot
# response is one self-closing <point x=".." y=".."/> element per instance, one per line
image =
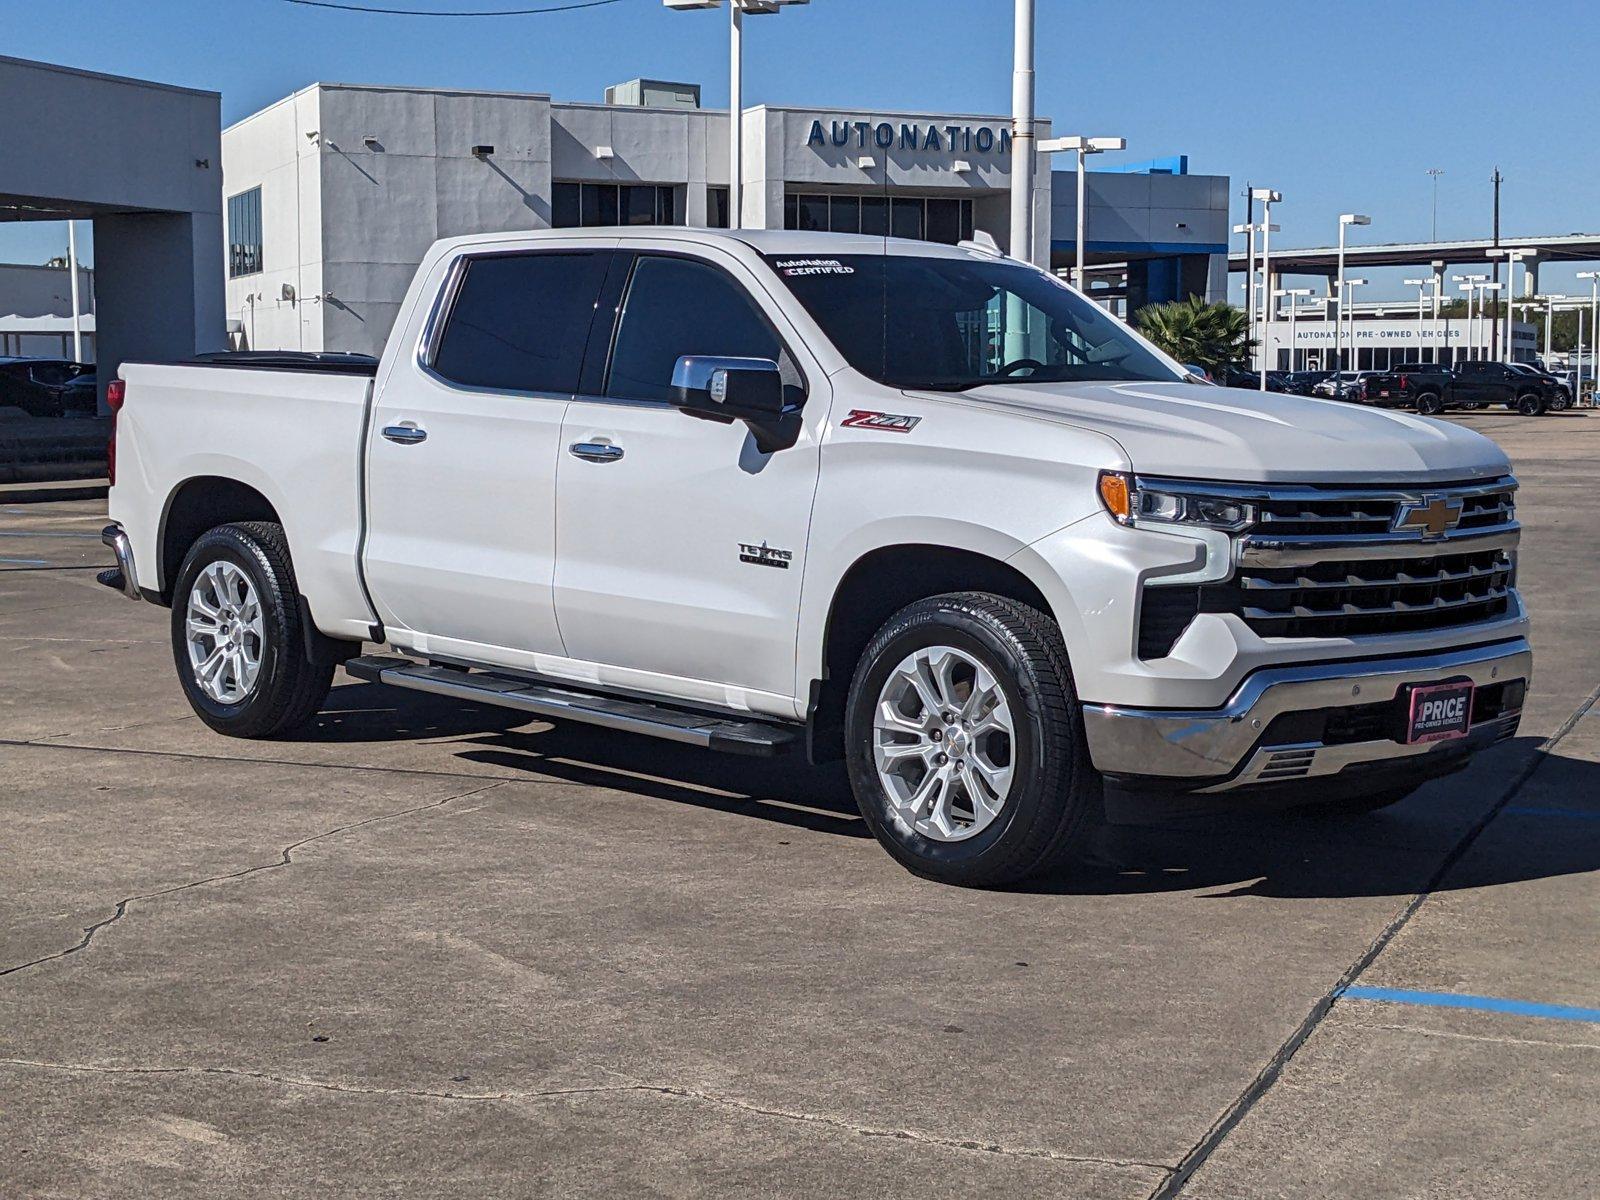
<point x="575" y="204"/>
<point x="717" y="208"/>
<point x="935" y="219"/>
<point x="244" y="233"/>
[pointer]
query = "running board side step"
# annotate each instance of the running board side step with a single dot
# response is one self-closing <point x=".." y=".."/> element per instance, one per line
<point x="729" y="734"/>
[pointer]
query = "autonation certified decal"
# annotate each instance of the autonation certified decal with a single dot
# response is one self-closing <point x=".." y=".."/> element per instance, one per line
<point x="813" y="266"/>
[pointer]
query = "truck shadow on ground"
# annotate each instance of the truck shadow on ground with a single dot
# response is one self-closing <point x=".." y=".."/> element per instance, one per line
<point x="1285" y="853"/>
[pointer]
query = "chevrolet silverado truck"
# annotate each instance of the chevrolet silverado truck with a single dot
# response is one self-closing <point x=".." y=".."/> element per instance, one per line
<point x="1431" y="388"/>
<point x="920" y="507"/>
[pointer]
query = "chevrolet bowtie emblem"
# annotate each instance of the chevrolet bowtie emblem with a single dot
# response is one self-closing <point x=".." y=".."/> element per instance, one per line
<point x="1431" y="516"/>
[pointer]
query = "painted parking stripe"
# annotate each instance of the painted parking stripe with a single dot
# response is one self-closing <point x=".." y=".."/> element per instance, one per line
<point x="24" y="562"/>
<point x="1534" y="810"/>
<point x="1520" y="1008"/>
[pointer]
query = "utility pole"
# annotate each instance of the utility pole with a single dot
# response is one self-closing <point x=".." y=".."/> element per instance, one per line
<point x="1494" y="335"/>
<point x="1435" y="172"/>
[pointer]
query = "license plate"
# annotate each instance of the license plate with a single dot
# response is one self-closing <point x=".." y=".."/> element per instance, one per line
<point x="1438" y="712"/>
<point x="1384" y="395"/>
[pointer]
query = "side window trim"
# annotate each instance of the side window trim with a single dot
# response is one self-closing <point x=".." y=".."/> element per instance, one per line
<point x="633" y="257"/>
<point x="450" y="293"/>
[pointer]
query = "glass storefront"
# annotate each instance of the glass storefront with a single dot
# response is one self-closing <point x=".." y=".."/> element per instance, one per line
<point x="923" y="218"/>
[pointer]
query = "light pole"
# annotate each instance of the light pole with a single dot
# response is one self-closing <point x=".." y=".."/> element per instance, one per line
<point x="1549" y="303"/>
<point x="1023" y="159"/>
<point x="72" y="269"/>
<point x="1294" y="295"/>
<point x="1083" y="147"/>
<point x="1268" y="198"/>
<point x="1594" y="325"/>
<point x="1422" y="296"/>
<point x="1512" y="255"/>
<point x="1350" y="285"/>
<point x="1435" y="172"/>
<point x="1345" y="221"/>
<point x="736" y="11"/>
<point x="1249" y="231"/>
<point x="1469" y="284"/>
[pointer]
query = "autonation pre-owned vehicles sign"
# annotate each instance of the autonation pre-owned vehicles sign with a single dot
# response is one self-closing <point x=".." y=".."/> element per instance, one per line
<point x="911" y="135"/>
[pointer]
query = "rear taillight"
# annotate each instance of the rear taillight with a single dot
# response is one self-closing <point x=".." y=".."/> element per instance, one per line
<point x="1405" y="382"/>
<point x="116" y="393"/>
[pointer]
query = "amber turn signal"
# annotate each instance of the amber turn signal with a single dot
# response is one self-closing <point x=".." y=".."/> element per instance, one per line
<point x="1116" y="493"/>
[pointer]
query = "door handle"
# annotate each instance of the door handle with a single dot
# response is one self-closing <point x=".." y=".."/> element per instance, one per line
<point x="406" y="435"/>
<point x="595" y="451"/>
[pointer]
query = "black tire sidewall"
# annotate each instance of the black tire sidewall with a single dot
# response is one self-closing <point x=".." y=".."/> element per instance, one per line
<point x="233" y="545"/>
<point x="1429" y="404"/>
<point x="960" y="630"/>
<point x="1530" y="405"/>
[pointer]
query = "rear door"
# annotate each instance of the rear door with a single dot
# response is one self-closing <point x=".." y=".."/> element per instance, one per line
<point x="460" y="549"/>
<point x="681" y="545"/>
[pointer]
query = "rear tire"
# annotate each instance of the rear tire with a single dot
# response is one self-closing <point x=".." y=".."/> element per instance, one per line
<point x="987" y="663"/>
<point x="238" y="638"/>
<point x="1428" y="404"/>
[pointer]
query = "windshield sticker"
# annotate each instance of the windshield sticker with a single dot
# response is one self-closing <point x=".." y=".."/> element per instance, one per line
<point x="813" y="266"/>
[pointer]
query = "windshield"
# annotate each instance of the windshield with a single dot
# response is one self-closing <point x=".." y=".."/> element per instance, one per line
<point x="912" y="321"/>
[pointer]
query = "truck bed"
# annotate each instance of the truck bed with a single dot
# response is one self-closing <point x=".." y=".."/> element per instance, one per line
<point x="291" y="433"/>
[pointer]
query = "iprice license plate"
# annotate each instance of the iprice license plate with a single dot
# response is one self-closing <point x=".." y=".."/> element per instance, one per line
<point x="1439" y="712"/>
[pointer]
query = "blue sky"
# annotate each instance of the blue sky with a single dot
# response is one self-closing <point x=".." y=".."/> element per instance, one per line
<point x="1339" y="104"/>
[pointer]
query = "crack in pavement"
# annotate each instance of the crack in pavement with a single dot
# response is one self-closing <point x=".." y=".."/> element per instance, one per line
<point x="1269" y="1074"/>
<point x="635" y="1087"/>
<point x="285" y="858"/>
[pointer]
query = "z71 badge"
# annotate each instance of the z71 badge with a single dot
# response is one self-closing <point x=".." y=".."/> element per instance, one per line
<point x="765" y="556"/>
<point x="888" y="422"/>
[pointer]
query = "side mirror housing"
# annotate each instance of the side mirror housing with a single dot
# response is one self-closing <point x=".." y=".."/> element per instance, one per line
<point x="737" y="389"/>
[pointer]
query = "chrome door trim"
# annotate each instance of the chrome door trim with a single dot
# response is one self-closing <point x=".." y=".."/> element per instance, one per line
<point x="600" y="452"/>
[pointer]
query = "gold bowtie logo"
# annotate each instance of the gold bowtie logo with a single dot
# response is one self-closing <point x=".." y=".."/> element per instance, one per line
<point x="1432" y="516"/>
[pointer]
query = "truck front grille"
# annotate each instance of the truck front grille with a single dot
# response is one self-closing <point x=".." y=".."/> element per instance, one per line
<point x="1335" y="562"/>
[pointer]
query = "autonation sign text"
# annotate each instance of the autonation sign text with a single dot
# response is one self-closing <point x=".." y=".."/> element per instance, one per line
<point x="964" y="139"/>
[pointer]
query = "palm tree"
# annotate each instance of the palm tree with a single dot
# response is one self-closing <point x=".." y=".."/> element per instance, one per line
<point x="1193" y="331"/>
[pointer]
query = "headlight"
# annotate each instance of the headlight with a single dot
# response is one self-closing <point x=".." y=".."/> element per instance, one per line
<point x="1130" y="504"/>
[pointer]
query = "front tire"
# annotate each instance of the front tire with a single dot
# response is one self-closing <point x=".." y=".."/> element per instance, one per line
<point x="965" y="741"/>
<point x="1529" y="404"/>
<point x="238" y="639"/>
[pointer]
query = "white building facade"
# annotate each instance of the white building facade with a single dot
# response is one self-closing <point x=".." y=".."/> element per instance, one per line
<point x="333" y="194"/>
<point x="1374" y="343"/>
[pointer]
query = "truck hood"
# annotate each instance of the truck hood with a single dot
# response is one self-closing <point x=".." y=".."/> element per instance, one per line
<point x="1196" y="431"/>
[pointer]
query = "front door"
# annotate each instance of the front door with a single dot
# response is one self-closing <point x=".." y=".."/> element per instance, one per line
<point x="680" y="545"/>
<point x="460" y="550"/>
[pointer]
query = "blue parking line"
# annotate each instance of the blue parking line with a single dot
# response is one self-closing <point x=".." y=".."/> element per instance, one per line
<point x="1520" y="1008"/>
<point x="1534" y="810"/>
<point x="24" y="562"/>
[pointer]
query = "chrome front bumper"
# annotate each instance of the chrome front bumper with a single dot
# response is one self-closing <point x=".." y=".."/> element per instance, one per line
<point x="121" y="576"/>
<point x="1222" y="749"/>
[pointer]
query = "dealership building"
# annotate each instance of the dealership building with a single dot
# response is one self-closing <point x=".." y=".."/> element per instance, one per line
<point x="333" y="194"/>
<point x="1377" y="337"/>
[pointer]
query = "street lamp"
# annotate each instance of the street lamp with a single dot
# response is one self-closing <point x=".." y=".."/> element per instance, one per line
<point x="1422" y="296"/>
<point x="1345" y="221"/>
<point x="1594" y="325"/>
<point x="1513" y="255"/>
<point x="1083" y="146"/>
<point x="736" y="11"/>
<point x="1435" y="172"/>
<point x="1549" y="303"/>
<point x="1350" y="286"/>
<point x="1268" y="198"/>
<point x="1469" y="284"/>
<point x="1294" y="295"/>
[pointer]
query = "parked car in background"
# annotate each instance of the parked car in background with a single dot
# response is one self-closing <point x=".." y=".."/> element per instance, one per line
<point x="1431" y="388"/>
<point x="1557" y="387"/>
<point x="44" y="387"/>
<point x="1342" y="385"/>
<point x="1300" y="383"/>
<point x="1250" y="379"/>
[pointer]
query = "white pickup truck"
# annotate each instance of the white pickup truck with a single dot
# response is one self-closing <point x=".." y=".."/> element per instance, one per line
<point x="923" y="507"/>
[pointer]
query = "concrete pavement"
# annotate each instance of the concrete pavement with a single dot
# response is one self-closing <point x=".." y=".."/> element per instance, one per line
<point x="428" y="949"/>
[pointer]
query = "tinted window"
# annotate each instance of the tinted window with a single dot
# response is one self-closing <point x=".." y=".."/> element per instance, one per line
<point x="520" y="321"/>
<point x="910" y="320"/>
<point x="244" y="233"/>
<point x="674" y="307"/>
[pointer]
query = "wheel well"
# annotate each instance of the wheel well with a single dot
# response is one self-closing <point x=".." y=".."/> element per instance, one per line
<point x="877" y="586"/>
<point x="200" y="504"/>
